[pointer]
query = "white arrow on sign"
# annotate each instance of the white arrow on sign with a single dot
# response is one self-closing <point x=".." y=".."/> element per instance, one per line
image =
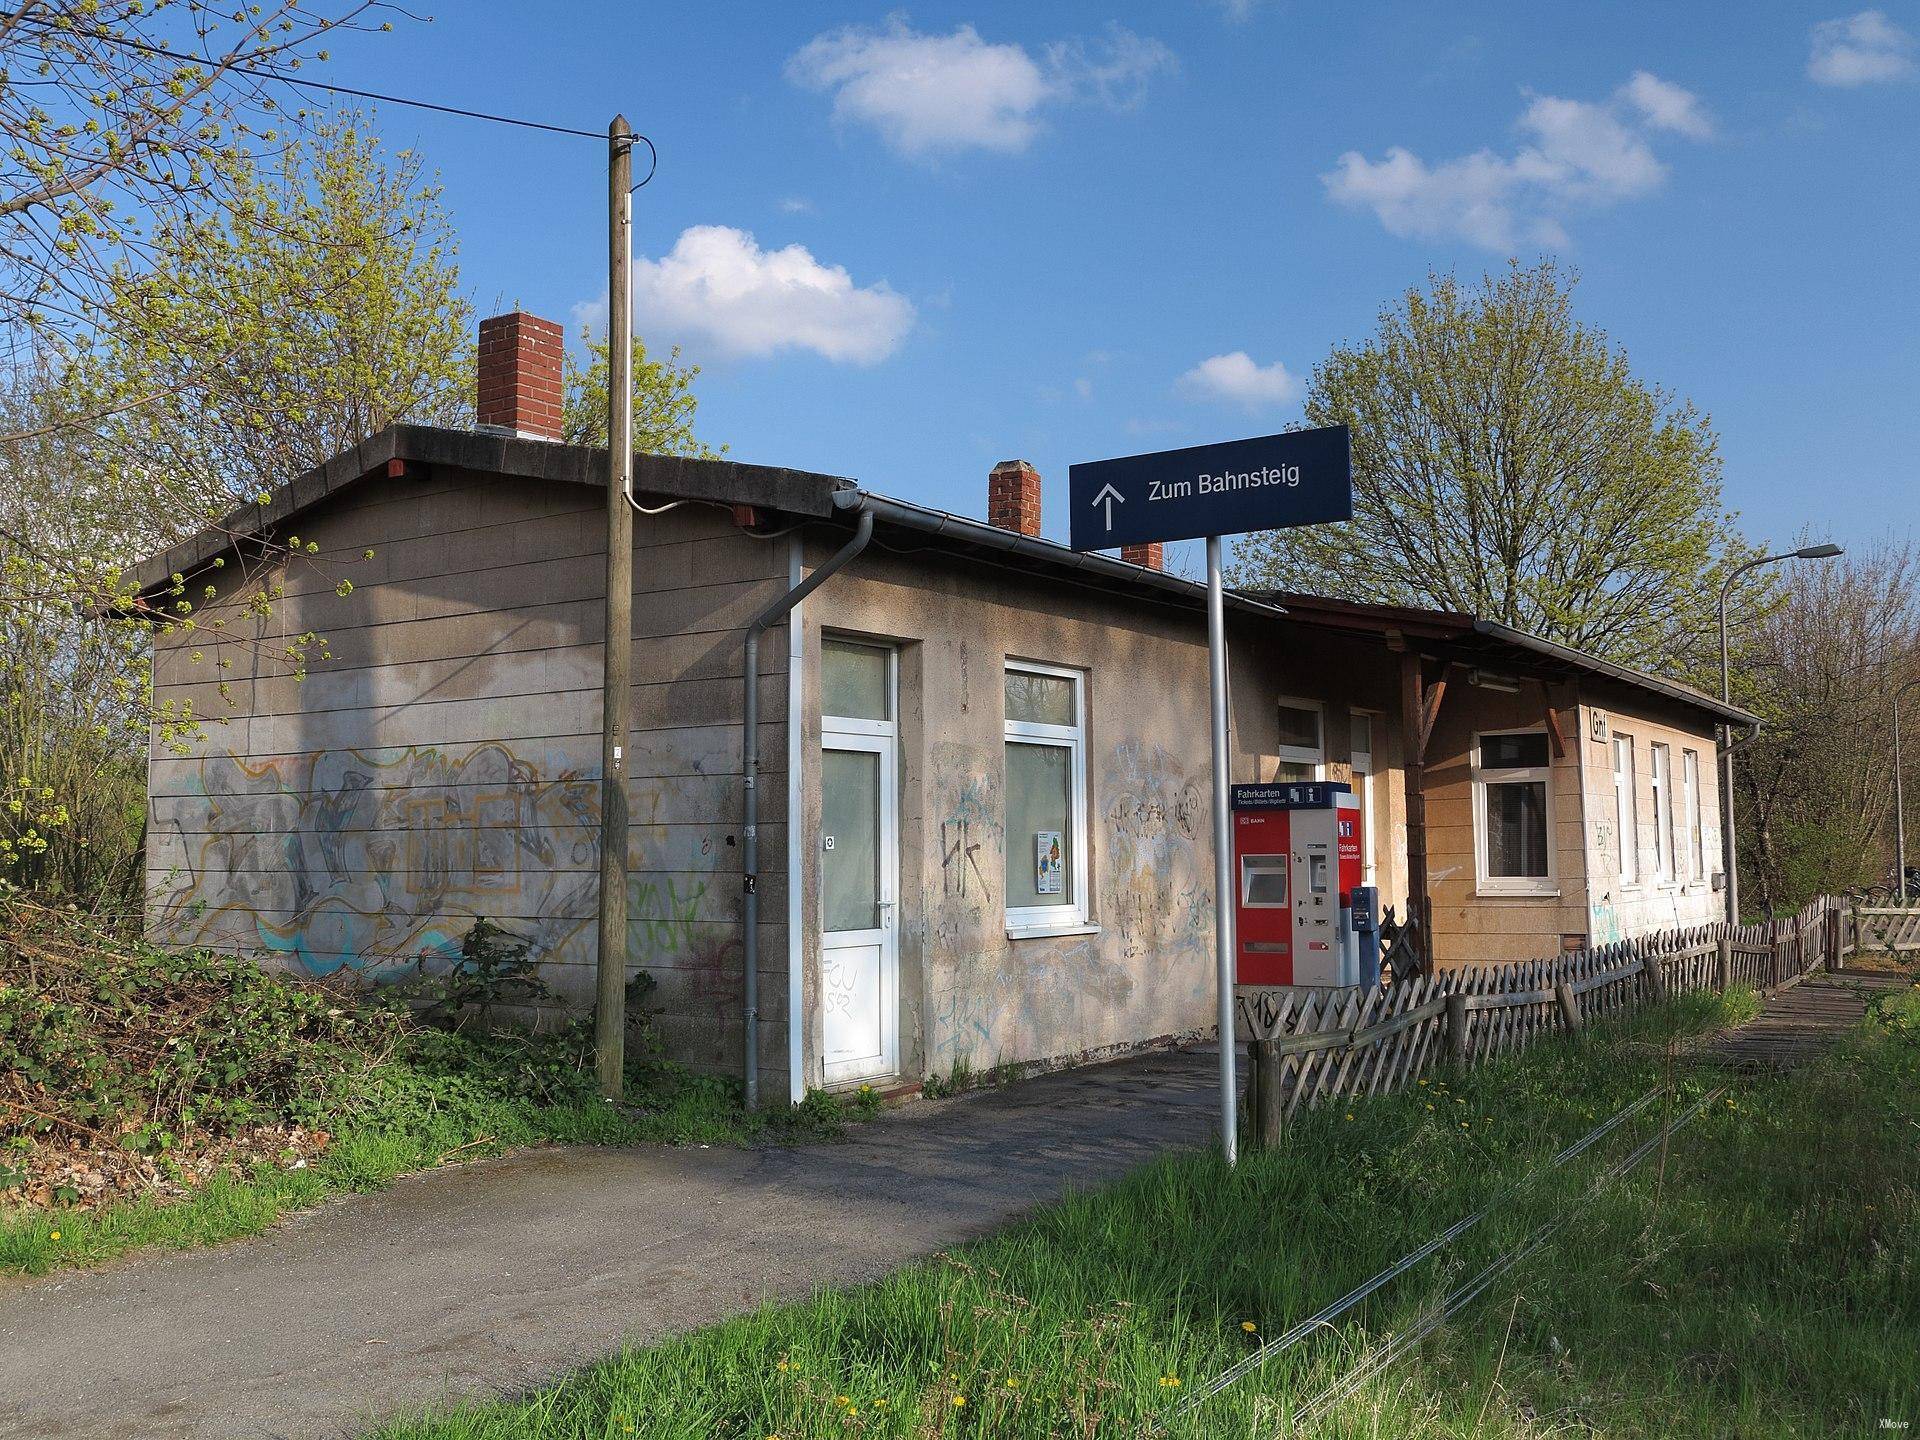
<point x="1107" y="496"/>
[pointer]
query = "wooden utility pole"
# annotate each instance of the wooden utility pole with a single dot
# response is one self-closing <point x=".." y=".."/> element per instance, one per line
<point x="610" y="989"/>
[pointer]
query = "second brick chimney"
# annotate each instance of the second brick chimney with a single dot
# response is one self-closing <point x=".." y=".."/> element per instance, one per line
<point x="1013" y="497"/>
<point x="1148" y="555"/>
<point x="520" y="375"/>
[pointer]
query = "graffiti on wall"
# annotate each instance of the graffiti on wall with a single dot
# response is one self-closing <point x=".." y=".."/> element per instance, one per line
<point x="967" y="806"/>
<point x="374" y="859"/>
<point x="1155" y="812"/>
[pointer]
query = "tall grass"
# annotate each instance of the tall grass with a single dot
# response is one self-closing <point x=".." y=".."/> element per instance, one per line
<point x="1758" y="1278"/>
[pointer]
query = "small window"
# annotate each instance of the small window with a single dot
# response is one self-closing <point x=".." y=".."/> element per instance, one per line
<point x="1263" y="882"/>
<point x="1299" y="747"/>
<point x="1514" y="824"/>
<point x="854" y="680"/>
<point x="1362" y="747"/>
<point x="1626" y="808"/>
<point x="1512" y="752"/>
<point x="1661" y="783"/>
<point x="1696" y="820"/>
<point x="1046" y="842"/>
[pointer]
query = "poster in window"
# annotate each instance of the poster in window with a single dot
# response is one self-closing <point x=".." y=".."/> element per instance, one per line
<point x="1048" y="858"/>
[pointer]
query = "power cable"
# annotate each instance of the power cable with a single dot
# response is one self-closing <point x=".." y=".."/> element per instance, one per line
<point x="186" y="58"/>
<point x="1463" y="1296"/>
<point x="1322" y="1317"/>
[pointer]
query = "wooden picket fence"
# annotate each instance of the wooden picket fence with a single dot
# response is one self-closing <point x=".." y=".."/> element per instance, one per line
<point x="1316" y="1045"/>
<point x="1883" y="927"/>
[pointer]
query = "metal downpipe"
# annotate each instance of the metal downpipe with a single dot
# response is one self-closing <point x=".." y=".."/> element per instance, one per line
<point x="750" y="775"/>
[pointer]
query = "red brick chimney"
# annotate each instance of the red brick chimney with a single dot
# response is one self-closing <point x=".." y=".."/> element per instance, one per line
<point x="519" y="375"/>
<point x="1148" y="555"/>
<point x="1013" y="497"/>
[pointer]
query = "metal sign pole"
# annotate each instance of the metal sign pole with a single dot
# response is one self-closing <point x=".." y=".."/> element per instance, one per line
<point x="1268" y="482"/>
<point x="1223" y="890"/>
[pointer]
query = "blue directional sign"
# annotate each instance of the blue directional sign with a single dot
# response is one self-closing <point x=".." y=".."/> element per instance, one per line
<point x="1302" y="477"/>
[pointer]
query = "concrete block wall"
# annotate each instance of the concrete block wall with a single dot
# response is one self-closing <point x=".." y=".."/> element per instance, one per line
<point x="444" y="763"/>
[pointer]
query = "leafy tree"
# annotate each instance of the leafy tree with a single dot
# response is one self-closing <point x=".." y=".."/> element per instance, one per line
<point x="663" y="401"/>
<point x="120" y="117"/>
<point x="324" y="304"/>
<point x="1508" y="463"/>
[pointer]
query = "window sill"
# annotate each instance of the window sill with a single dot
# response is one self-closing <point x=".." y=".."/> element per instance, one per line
<point x="1042" y="932"/>
<point x="1484" y="892"/>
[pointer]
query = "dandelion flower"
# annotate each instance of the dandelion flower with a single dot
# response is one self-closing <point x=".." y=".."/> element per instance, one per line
<point x="1013" y="1383"/>
<point x="1349" y="1115"/>
<point x="1169" y="1382"/>
<point x="1248" y="1326"/>
<point x="959" y="1400"/>
<point x="842" y="1400"/>
<point x="53" y="1235"/>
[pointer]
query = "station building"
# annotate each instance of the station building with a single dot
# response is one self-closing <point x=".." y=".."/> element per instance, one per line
<point x="983" y="759"/>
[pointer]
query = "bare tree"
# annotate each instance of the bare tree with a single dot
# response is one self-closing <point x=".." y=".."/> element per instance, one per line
<point x="1815" y="790"/>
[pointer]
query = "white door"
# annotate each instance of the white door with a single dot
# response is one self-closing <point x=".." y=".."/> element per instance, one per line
<point x="859" y="874"/>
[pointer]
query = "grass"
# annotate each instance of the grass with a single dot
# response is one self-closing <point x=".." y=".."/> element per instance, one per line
<point x="1759" y="1278"/>
<point x="424" y="1114"/>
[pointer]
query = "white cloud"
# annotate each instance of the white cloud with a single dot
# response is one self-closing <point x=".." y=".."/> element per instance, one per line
<point x="1862" y="49"/>
<point x="718" y="289"/>
<point x="1666" y="106"/>
<point x="1083" y="387"/>
<point x="796" y="205"/>
<point x="927" y="94"/>
<point x="1573" y="153"/>
<point x="1235" y="379"/>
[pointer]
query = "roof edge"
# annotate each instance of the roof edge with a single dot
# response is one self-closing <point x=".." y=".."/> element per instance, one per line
<point x="676" y="477"/>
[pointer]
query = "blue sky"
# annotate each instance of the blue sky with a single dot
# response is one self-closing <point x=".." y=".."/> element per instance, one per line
<point x="906" y="244"/>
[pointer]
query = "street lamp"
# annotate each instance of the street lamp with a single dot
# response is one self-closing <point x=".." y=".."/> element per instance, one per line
<point x="1900" y="798"/>
<point x="1729" y="857"/>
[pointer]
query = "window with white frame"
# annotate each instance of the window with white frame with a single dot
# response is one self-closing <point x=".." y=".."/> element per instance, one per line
<point x="1696" y="819"/>
<point x="1513" y="820"/>
<point x="1660" y="781"/>
<point x="1046" y="872"/>
<point x="1300" y="748"/>
<point x="1626" y="808"/>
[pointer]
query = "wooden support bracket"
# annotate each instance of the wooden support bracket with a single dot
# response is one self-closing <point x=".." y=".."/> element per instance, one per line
<point x="1554" y="733"/>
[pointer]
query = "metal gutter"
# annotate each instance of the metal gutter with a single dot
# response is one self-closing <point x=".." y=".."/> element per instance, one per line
<point x="796" y="773"/>
<point x="1580" y="659"/>
<point x="750" y="776"/>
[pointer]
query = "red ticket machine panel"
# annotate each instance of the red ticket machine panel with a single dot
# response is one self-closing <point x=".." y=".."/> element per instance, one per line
<point x="1262" y="857"/>
<point x="1296" y="853"/>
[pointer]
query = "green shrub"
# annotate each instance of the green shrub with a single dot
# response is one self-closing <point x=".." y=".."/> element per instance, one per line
<point x="103" y="1039"/>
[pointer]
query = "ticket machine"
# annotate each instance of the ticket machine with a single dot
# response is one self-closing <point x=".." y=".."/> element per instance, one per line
<point x="1296" y="854"/>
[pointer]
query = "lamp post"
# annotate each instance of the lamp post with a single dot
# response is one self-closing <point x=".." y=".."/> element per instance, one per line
<point x="1730" y="859"/>
<point x="1900" y="799"/>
